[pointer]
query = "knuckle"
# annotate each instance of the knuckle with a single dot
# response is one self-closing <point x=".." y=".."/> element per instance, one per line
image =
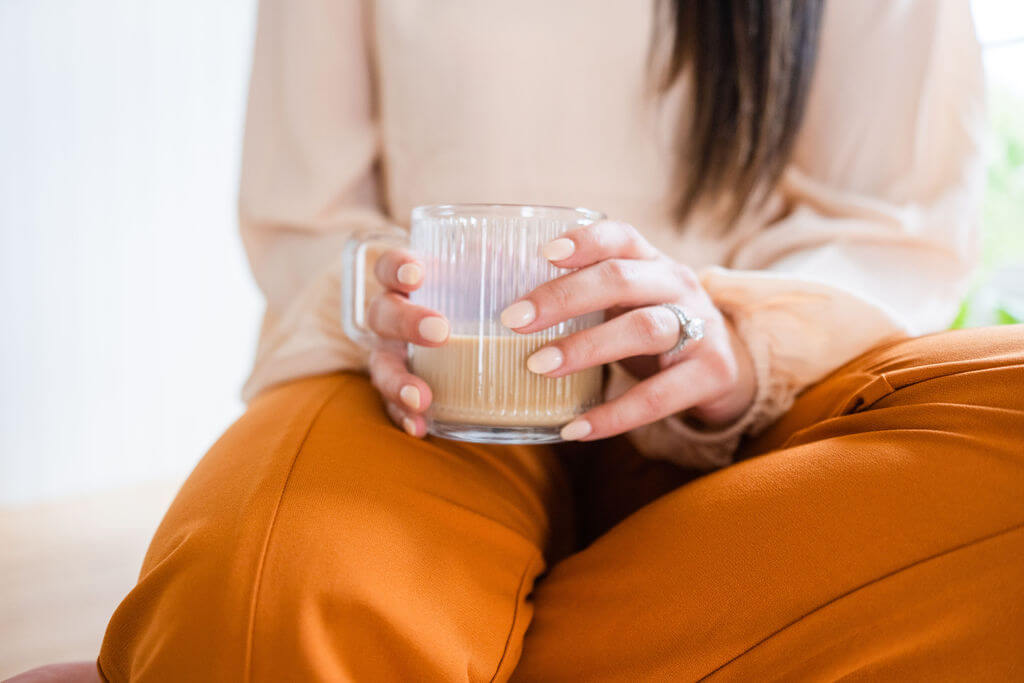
<point x="588" y="235"/>
<point x="620" y="272"/>
<point x="375" y="381"/>
<point x="381" y="267"/>
<point x="375" y="312"/>
<point x="631" y="234"/>
<point x="559" y="294"/>
<point x="654" y="399"/>
<point x="583" y="349"/>
<point x="377" y="376"/>
<point x="381" y="367"/>
<point x="387" y="265"/>
<point x="382" y="383"/>
<point x="409" y="325"/>
<point x="597" y="235"/>
<point x="375" y="362"/>
<point x="599" y="230"/>
<point x="649" y="327"/>
<point x="607" y="419"/>
<point x="687" y="276"/>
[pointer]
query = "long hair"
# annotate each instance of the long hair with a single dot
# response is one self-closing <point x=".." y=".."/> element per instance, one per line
<point x="750" y="64"/>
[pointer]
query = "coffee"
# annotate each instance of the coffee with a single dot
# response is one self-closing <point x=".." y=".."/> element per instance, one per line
<point x="483" y="380"/>
<point x="477" y="259"/>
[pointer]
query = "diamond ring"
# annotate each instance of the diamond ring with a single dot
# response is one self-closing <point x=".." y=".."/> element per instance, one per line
<point x="690" y="329"/>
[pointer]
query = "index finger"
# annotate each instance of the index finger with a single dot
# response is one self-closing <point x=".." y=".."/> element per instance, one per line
<point x="399" y="270"/>
<point x="597" y="242"/>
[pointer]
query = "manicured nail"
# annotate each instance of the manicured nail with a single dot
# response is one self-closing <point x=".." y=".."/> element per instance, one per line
<point x="410" y="396"/>
<point x="577" y="429"/>
<point x="545" y="360"/>
<point x="519" y="314"/>
<point x="409" y="426"/>
<point x="434" y="329"/>
<point x="559" y="249"/>
<point x="409" y="274"/>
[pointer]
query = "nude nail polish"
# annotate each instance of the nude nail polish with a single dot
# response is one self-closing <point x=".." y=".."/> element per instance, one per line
<point x="433" y="329"/>
<point x="545" y="360"/>
<point x="519" y="314"/>
<point x="577" y="429"/>
<point x="410" y="396"/>
<point x="557" y="250"/>
<point x="409" y="274"/>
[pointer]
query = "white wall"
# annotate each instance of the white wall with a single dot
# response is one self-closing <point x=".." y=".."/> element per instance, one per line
<point x="127" y="313"/>
<point x="1000" y="26"/>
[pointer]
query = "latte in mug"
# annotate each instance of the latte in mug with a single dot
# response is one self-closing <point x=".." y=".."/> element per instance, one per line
<point x="484" y="381"/>
<point x="478" y="259"/>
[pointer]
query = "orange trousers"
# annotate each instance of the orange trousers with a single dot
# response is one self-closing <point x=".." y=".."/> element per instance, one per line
<point x="876" y="531"/>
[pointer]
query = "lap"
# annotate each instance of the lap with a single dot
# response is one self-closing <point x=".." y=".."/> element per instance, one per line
<point x="316" y="541"/>
<point x="876" y="529"/>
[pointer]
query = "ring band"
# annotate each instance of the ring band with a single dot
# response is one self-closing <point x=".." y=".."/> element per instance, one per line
<point x="690" y="329"/>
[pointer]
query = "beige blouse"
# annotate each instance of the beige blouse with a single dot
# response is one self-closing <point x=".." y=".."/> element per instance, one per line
<point x="359" y="111"/>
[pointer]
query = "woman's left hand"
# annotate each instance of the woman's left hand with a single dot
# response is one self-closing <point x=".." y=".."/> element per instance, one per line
<point x="623" y="274"/>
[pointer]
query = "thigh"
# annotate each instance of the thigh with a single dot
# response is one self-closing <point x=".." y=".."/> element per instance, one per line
<point x="964" y="381"/>
<point x="317" y="542"/>
<point x="876" y="531"/>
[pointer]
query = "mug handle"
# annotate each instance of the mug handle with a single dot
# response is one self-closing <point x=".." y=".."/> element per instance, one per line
<point x="353" y="281"/>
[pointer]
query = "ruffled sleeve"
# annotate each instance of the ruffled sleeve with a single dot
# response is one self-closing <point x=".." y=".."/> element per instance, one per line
<point x="879" y="231"/>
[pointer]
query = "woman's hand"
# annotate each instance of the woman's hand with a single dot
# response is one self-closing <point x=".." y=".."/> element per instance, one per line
<point x="398" y="322"/>
<point x="620" y="272"/>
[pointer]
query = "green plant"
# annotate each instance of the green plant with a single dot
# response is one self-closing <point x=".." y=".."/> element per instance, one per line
<point x="1003" y="211"/>
<point x="1003" y="216"/>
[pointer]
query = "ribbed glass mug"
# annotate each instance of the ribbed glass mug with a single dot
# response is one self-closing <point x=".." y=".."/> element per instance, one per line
<point x="478" y="259"/>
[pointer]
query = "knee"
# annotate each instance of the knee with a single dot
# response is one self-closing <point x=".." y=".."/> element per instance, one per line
<point x="967" y="372"/>
<point x="326" y="541"/>
<point x="190" y="613"/>
<point x="950" y="353"/>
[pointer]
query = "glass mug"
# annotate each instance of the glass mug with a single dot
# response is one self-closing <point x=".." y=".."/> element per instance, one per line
<point x="478" y="259"/>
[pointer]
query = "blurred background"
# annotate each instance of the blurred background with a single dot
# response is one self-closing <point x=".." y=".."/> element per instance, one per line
<point x="128" y="313"/>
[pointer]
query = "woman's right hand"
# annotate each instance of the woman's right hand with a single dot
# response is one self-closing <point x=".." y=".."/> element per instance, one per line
<point x="398" y="322"/>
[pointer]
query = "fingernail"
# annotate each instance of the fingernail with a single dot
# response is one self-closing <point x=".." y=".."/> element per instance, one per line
<point x="409" y="274"/>
<point x="519" y="314"/>
<point x="545" y="360"/>
<point x="410" y="396"/>
<point x="409" y="426"/>
<point x="577" y="429"/>
<point x="559" y="249"/>
<point x="434" y="329"/>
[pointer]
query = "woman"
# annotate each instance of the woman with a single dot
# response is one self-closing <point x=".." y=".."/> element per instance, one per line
<point x="817" y="219"/>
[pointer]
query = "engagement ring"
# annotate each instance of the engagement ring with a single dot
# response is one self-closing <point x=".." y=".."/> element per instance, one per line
<point x="690" y="329"/>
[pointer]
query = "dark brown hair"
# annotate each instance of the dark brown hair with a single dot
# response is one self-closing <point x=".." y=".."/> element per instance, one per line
<point x="750" y="63"/>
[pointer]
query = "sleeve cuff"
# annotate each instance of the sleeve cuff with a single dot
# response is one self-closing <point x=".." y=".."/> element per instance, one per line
<point x="796" y="330"/>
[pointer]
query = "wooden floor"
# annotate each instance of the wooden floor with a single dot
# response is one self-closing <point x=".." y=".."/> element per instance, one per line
<point x="64" y="567"/>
